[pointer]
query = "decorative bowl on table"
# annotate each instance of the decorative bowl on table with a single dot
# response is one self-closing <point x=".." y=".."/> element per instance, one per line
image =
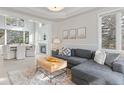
<point x="52" y="59"/>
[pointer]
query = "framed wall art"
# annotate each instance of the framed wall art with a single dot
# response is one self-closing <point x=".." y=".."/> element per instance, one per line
<point x="65" y="34"/>
<point x="81" y="33"/>
<point x="72" y="34"/>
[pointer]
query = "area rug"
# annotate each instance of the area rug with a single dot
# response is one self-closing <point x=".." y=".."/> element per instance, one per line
<point x="29" y="77"/>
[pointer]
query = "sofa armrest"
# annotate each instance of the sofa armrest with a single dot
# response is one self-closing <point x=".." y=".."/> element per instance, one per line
<point x="118" y="66"/>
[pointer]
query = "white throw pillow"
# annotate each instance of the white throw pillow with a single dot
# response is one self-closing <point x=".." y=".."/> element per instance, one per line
<point x="100" y="56"/>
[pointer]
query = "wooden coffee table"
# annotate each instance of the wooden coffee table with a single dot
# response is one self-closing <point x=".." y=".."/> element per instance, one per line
<point x="51" y="67"/>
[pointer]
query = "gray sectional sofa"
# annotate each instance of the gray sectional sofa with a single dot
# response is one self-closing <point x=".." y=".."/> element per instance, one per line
<point x="87" y="72"/>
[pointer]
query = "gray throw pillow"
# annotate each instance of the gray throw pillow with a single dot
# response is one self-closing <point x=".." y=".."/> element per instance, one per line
<point x="111" y="57"/>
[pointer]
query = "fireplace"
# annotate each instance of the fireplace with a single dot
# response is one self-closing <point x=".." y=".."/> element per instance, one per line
<point x="43" y="49"/>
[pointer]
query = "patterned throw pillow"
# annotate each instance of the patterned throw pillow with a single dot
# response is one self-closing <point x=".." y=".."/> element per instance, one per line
<point x="65" y="51"/>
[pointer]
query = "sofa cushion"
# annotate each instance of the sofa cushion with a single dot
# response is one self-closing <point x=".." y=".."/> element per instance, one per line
<point x="83" y="53"/>
<point x="94" y="81"/>
<point x="76" y="60"/>
<point x="91" y="71"/>
<point x="79" y="81"/>
<point x="111" y="57"/>
<point x="118" y="66"/>
<point x="72" y="52"/>
<point x="61" y="57"/>
<point x="93" y="54"/>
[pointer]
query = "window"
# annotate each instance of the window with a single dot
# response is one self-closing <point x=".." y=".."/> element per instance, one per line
<point x="26" y="37"/>
<point x="12" y="21"/>
<point x="122" y="28"/>
<point x="109" y="32"/>
<point x="14" y="37"/>
<point x="10" y="36"/>
<point x="2" y="36"/>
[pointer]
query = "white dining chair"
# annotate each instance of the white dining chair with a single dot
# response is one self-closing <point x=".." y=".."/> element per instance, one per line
<point x="20" y="53"/>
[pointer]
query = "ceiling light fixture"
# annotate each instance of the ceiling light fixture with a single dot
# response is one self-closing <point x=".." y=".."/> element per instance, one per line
<point x="55" y="9"/>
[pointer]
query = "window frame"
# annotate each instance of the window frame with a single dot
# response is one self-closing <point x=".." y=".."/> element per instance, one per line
<point x="118" y="29"/>
<point x="4" y="36"/>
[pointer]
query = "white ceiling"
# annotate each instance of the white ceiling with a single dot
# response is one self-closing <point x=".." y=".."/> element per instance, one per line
<point x="43" y="12"/>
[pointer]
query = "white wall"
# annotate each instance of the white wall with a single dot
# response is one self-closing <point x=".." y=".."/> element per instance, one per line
<point x="88" y="20"/>
<point x="39" y="32"/>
